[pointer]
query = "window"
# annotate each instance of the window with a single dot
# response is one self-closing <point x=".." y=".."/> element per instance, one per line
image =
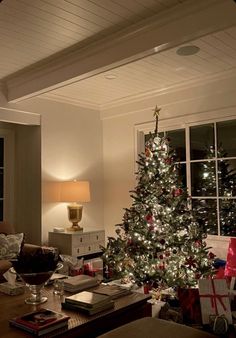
<point x="207" y="157"/>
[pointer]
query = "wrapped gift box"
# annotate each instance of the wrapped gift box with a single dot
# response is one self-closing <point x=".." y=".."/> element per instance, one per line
<point x="190" y="305"/>
<point x="93" y="267"/>
<point x="214" y="299"/>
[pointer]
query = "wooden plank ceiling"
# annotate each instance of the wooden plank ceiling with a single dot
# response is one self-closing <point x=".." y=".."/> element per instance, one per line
<point x="154" y="73"/>
<point x="33" y="30"/>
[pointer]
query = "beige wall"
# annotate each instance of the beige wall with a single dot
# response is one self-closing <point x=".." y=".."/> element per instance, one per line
<point x="71" y="149"/>
<point x="121" y="125"/>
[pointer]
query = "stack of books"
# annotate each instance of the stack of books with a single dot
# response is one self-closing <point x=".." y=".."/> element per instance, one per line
<point x="79" y="283"/>
<point x="113" y="291"/>
<point x="88" y="302"/>
<point x="41" y="322"/>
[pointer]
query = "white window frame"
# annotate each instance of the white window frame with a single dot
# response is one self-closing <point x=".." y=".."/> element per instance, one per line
<point x="176" y="123"/>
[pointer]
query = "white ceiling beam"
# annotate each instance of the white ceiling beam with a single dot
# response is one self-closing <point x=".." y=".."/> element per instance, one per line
<point x="183" y="23"/>
<point x="12" y="115"/>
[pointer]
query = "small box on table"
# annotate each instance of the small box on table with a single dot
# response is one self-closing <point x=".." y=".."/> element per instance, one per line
<point x="12" y="290"/>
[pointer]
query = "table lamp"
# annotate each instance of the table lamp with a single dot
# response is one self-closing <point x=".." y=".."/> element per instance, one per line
<point x="230" y="267"/>
<point x="75" y="191"/>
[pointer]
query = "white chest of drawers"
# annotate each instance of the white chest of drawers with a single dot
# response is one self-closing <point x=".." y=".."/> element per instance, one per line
<point x="77" y="244"/>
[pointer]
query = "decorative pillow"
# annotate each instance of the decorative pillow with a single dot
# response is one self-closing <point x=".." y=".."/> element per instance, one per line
<point x="10" y="245"/>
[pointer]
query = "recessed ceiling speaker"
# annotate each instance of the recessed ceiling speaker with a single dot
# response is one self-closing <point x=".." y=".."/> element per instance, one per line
<point x="187" y="50"/>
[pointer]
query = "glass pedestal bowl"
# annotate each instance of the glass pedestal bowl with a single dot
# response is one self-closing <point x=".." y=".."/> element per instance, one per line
<point x="35" y="282"/>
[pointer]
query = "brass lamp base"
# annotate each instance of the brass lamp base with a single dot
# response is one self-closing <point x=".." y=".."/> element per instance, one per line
<point x="75" y="227"/>
<point x="75" y="216"/>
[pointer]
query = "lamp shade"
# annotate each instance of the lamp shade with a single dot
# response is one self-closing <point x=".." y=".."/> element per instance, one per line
<point x="230" y="268"/>
<point x="75" y="191"/>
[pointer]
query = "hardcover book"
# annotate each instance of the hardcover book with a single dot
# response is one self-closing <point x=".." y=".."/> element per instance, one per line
<point x="40" y="322"/>
<point x="88" y="310"/>
<point x="88" y="299"/>
<point x="79" y="283"/>
<point x="114" y="291"/>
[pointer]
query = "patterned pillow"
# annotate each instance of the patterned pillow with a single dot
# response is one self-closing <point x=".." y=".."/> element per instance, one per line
<point x="10" y="245"/>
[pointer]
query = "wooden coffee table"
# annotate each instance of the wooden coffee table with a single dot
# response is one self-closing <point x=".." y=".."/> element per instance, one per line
<point x="126" y="309"/>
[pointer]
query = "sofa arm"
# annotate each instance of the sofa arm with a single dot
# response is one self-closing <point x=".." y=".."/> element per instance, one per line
<point x="32" y="249"/>
<point x="154" y="327"/>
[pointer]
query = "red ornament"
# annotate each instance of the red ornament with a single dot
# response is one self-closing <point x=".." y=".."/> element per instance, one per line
<point x="130" y="242"/>
<point x="197" y="244"/>
<point x="197" y="276"/>
<point x="211" y="255"/>
<point x="151" y="227"/>
<point x="162" y="241"/>
<point x="149" y="218"/>
<point x="190" y="262"/>
<point x="161" y="257"/>
<point x="148" y="152"/>
<point x="168" y="160"/>
<point x="162" y="267"/>
<point x="177" y="192"/>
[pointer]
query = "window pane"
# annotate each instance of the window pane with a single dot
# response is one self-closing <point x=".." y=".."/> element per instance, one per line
<point x="1" y="151"/>
<point x="201" y="141"/>
<point x="177" y="141"/>
<point x="227" y="217"/>
<point x="226" y="138"/>
<point x="227" y="177"/>
<point x="206" y="214"/>
<point x="203" y="178"/>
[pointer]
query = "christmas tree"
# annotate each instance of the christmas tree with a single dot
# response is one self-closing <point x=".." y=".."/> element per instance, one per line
<point x="159" y="241"/>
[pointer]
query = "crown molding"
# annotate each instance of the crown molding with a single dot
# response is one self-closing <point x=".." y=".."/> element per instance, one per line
<point x="182" y="23"/>
<point x="171" y="89"/>
<point x="72" y="101"/>
<point x="125" y="106"/>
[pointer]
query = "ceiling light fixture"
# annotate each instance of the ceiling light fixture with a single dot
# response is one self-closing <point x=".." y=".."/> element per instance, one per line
<point x="187" y="50"/>
<point x="110" y="76"/>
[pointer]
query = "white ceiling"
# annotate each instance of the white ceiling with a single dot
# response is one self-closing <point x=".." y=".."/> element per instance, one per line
<point x="32" y="31"/>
